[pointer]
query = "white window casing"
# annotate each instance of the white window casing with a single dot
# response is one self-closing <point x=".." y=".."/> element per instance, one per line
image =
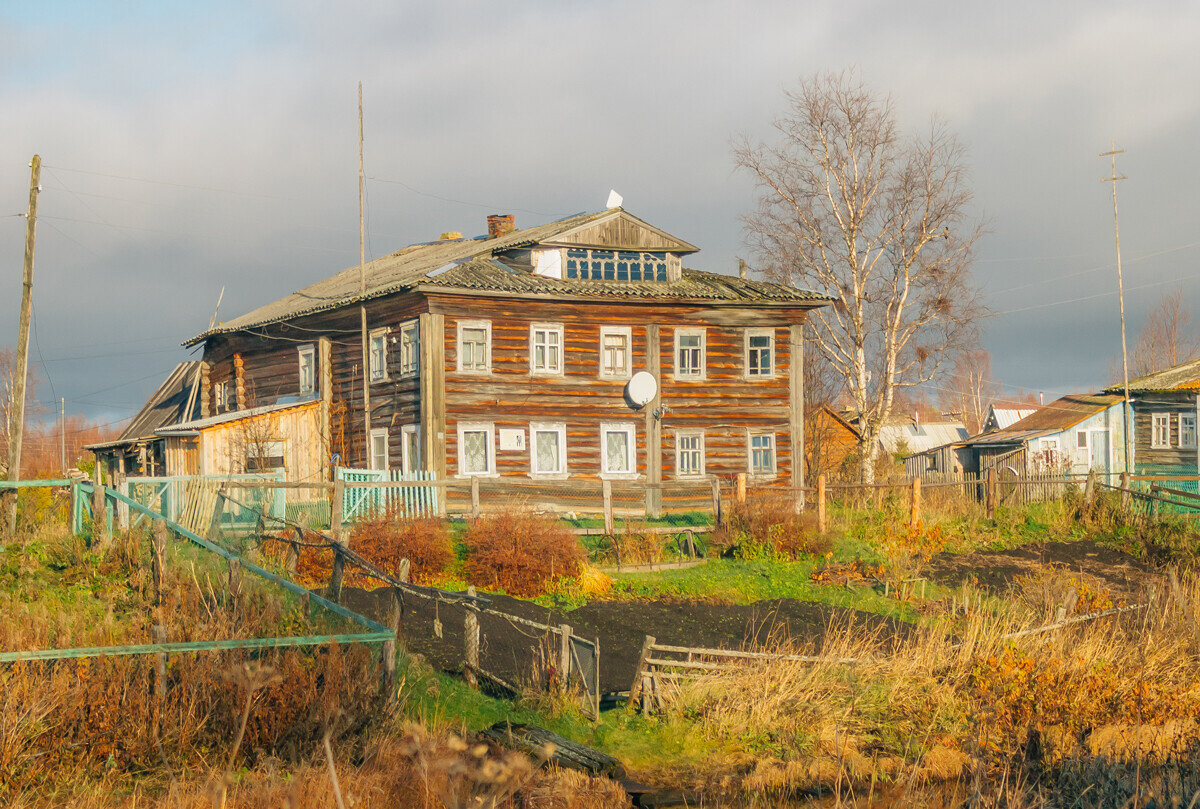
<point x="618" y="450"/>
<point x="377" y="354"/>
<point x="307" y="356"/>
<point x="548" y="450"/>
<point x="546" y="349"/>
<point x="474" y="346"/>
<point x="410" y="348"/>
<point x="410" y="447"/>
<point x="1187" y="430"/>
<point x="476" y="449"/>
<point x="761" y="460"/>
<point x="689" y="454"/>
<point x="1160" y="430"/>
<point x="758" y="353"/>
<point x="616" y="352"/>
<point x="691" y="353"/>
<point x="379" y="448"/>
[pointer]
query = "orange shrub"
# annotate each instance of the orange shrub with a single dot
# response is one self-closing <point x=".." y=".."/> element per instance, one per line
<point x="387" y="538"/>
<point x="520" y="552"/>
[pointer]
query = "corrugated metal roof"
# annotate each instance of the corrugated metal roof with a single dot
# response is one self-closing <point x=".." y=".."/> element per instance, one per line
<point x="1181" y="377"/>
<point x="466" y="264"/>
<point x="1008" y="416"/>
<point x="1059" y="415"/>
<point x="919" y="437"/>
<point x="164" y="408"/>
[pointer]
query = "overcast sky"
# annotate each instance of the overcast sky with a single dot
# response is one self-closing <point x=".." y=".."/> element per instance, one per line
<point x="193" y="146"/>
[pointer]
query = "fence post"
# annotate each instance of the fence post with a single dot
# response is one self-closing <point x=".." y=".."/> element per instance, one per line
<point x="564" y="656"/>
<point x="471" y="642"/>
<point x="741" y="487"/>
<point x="1125" y="493"/>
<point x="337" y="506"/>
<point x="990" y="493"/>
<point x="160" y="679"/>
<point x="234" y="585"/>
<point x="821" y="504"/>
<point x="402" y="570"/>
<point x="100" y="535"/>
<point x="914" y="516"/>
<point x="475" y="498"/>
<point x="334" y="592"/>
<point x="158" y="537"/>
<point x="337" y="529"/>
<point x="389" y="646"/>
<point x="76" y="511"/>
<point x="1089" y="487"/>
<point x="293" y="554"/>
<point x="606" y="490"/>
<point x="716" y="498"/>
<point x="635" y="688"/>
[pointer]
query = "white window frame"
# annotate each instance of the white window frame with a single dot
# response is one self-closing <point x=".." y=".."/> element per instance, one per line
<point x="410" y="335"/>
<point x="376" y="433"/>
<point x="560" y="429"/>
<point x="1157" y="419"/>
<point x="702" y="372"/>
<point x="630" y="429"/>
<point x="379" y="374"/>
<point x="1191" y="418"/>
<point x="486" y="325"/>
<point x="769" y="333"/>
<point x="309" y="353"/>
<point x="750" y="436"/>
<point x="627" y="333"/>
<point x="547" y="328"/>
<point x="488" y="427"/>
<point x="409" y="464"/>
<point x="679" y="436"/>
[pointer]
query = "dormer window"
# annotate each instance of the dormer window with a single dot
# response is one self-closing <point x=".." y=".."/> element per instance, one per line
<point x="617" y="265"/>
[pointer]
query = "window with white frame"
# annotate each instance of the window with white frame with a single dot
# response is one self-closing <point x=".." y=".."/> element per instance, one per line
<point x="308" y="370"/>
<point x="475" y="346"/>
<point x="618" y="454"/>
<point x="616" y="349"/>
<point x="546" y="348"/>
<point x="410" y="447"/>
<point x="760" y="352"/>
<point x="689" y="454"/>
<point x="377" y="353"/>
<point x="689" y="353"/>
<point x="547" y="449"/>
<point x="1160" y="430"/>
<point x="379" y="448"/>
<point x="762" y="453"/>
<point x="476" y="449"/>
<point x="1187" y="430"/>
<point x="410" y="348"/>
<point x="221" y="397"/>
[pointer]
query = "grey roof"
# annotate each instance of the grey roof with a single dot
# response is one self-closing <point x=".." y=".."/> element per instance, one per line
<point x="192" y="427"/>
<point x="918" y="438"/>
<point x="1182" y="377"/>
<point x="1008" y="416"/>
<point x="168" y="406"/>
<point x="468" y="265"/>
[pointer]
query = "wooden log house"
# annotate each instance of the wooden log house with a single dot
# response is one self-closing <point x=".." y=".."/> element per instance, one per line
<point x="509" y="357"/>
<point x="1166" y="408"/>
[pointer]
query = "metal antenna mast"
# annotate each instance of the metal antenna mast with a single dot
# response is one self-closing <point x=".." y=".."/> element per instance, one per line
<point x="1112" y="154"/>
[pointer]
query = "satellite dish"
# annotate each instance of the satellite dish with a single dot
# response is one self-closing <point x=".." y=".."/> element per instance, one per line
<point x="641" y="389"/>
<point x="614" y="200"/>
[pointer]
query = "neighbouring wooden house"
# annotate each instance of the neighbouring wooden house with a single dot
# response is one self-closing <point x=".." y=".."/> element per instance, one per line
<point x="1075" y="434"/>
<point x="829" y="443"/>
<point x="574" y="351"/>
<point x="1166" y="406"/>
<point x="140" y="449"/>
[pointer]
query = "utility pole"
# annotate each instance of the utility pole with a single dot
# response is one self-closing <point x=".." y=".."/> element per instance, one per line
<point x="1128" y="415"/>
<point x="362" y="288"/>
<point x="17" y="419"/>
<point x="63" y="435"/>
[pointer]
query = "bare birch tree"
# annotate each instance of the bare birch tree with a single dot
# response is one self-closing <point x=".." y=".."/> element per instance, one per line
<point x="971" y="389"/>
<point x="1166" y="339"/>
<point x="878" y="221"/>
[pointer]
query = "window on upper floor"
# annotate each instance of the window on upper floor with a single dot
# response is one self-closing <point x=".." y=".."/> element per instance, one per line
<point x="616" y="349"/>
<point x="308" y="369"/>
<point x="410" y="348"/>
<point x="760" y="352"/>
<point x="546" y="348"/>
<point x="377" y="345"/>
<point x="1160" y="430"/>
<point x="475" y="346"/>
<point x="617" y="265"/>
<point x="690" y="353"/>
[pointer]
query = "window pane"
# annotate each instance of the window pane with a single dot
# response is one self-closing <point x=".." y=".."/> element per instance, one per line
<point x="475" y="451"/>
<point x="616" y="450"/>
<point x="546" y="445"/>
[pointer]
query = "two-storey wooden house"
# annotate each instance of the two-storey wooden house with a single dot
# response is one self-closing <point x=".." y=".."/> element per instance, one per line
<point x="510" y="357"/>
<point x="1166" y="407"/>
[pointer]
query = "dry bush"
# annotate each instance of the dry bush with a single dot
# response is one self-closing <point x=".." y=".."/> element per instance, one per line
<point x="384" y="539"/>
<point x="767" y="523"/>
<point x="634" y="547"/>
<point x="521" y="552"/>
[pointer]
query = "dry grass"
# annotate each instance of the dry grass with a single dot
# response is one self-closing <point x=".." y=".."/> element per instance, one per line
<point x="766" y="523"/>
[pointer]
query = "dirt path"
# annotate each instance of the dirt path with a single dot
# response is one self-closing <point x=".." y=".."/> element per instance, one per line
<point x="509" y="648"/>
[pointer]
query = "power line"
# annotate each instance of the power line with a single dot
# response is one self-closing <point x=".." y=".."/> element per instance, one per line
<point x="421" y="193"/>
<point x="168" y="183"/>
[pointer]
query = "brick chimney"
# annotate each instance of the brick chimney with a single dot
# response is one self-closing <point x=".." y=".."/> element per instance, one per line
<point x="500" y="224"/>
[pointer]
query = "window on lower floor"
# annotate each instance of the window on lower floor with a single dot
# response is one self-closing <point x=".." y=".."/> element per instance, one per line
<point x="264" y="456"/>
<point x="379" y="448"/>
<point x="617" y="450"/>
<point x="476" y="449"/>
<point x="548" y="453"/>
<point x="762" y="454"/>
<point x="1187" y="430"/>
<point x="410" y="447"/>
<point x="689" y="455"/>
<point x="1160" y="430"/>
